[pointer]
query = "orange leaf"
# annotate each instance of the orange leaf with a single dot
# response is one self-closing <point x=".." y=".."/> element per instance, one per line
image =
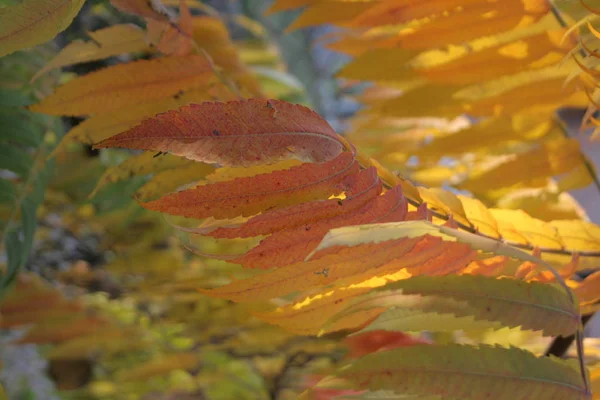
<point x="589" y="289"/>
<point x="173" y="39"/>
<point x="344" y="262"/>
<point x="45" y="311"/>
<point x="426" y="254"/>
<point x="249" y="196"/>
<point x="127" y="84"/>
<point x="396" y="12"/>
<point x="53" y="331"/>
<point x="237" y="133"/>
<point x="308" y="319"/>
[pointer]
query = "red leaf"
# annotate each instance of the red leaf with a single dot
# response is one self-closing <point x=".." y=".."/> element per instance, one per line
<point x="359" y="189"/>
<point x="237" y="133"/>
<point x="370" y="342"/>
<point x="293" y="245"/>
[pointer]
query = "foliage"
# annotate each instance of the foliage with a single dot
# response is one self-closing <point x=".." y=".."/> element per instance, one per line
<point x="507" y="68"/>
<point x="25" y="141"/>
<point x="307" y="233"/>
<point x="28" y="23"/>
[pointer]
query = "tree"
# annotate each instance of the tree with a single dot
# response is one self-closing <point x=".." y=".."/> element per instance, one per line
<point x="347" y="246"/>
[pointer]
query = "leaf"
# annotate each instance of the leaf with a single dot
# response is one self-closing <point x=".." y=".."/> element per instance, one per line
<point x="173" y="39"/>
<point x="111" y="41"/>
<point x="15" y="159"/>
<point x="394" y="310"/>
<point x="587" y="291"/>
<point x="293" y="245"/>
<point x="467" y="372"/>
<point x="152" y="9"/>
<point x="211" y="35"/>
<point x="531" y="305"/>
<point x="20" y="127"/>
<point x="32" y="22"/>
<point x="228" y="133"/>
<point x="160" y="366"/>
<point x="446" y="202"/>
<point x="229" y="173"/>
<point x="60" y="310"/>
<point x="140" y="164"/>
<point x="328" y="12"/>
<point x="321" y="271"/>
<point x="398" y="12"/>
<point x="101" y="343"/>
<point x="493" y="132"/>
<point x="359" y="189"/>
<point x="480" y="216"/>
<point x="105" y="125"/>
<point x="370" y="342"/>
<point x="414" y="320"/>
<point x="551" y="159"/>
<point x="518" y="227"/>
<point x="309" y="316"/>
<point x="172" y="179"/>
<point x="7" y="192"/>
<point x="124" y="85"/>
<point x="350" y="265"/>
<point x="550" y="91"/>
<point x="55" y="331"/>
<point x="248" y="196"/>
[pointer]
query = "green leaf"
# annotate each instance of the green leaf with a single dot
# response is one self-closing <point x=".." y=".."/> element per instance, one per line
<point x="531" y="305"/>
<point x="7" y="191"/>
<point x="15" y="159"/>
<point x="19" y="127"/>
<point x="13" y="247"/>
<point x="410" y="313"/>
<point x="467" y="373"/>
<point x="14" y="98"/>
<point x="28" y="224"/>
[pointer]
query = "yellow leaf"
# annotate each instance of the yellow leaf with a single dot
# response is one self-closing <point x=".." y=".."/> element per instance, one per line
<point x="550" y="159"/>
<point x="494" y="62"/>
<point x="32" y="22"/>
<point x="141" y="164"/>
<point x="517" y="226"/>
<point x="595" y="381"/>
<point x="444" y="201"/>
<point x="543" y="204"/>
<point x="103" y="342"/>
<point x="479" y="215"/>
<point x="579" y="178"/>
<point x="160" y="366"/>
<point x="170" y="180"/>
<point x="226" y="173"/>
<point x="490" y="133"/>
<point x="111" y="41"/>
